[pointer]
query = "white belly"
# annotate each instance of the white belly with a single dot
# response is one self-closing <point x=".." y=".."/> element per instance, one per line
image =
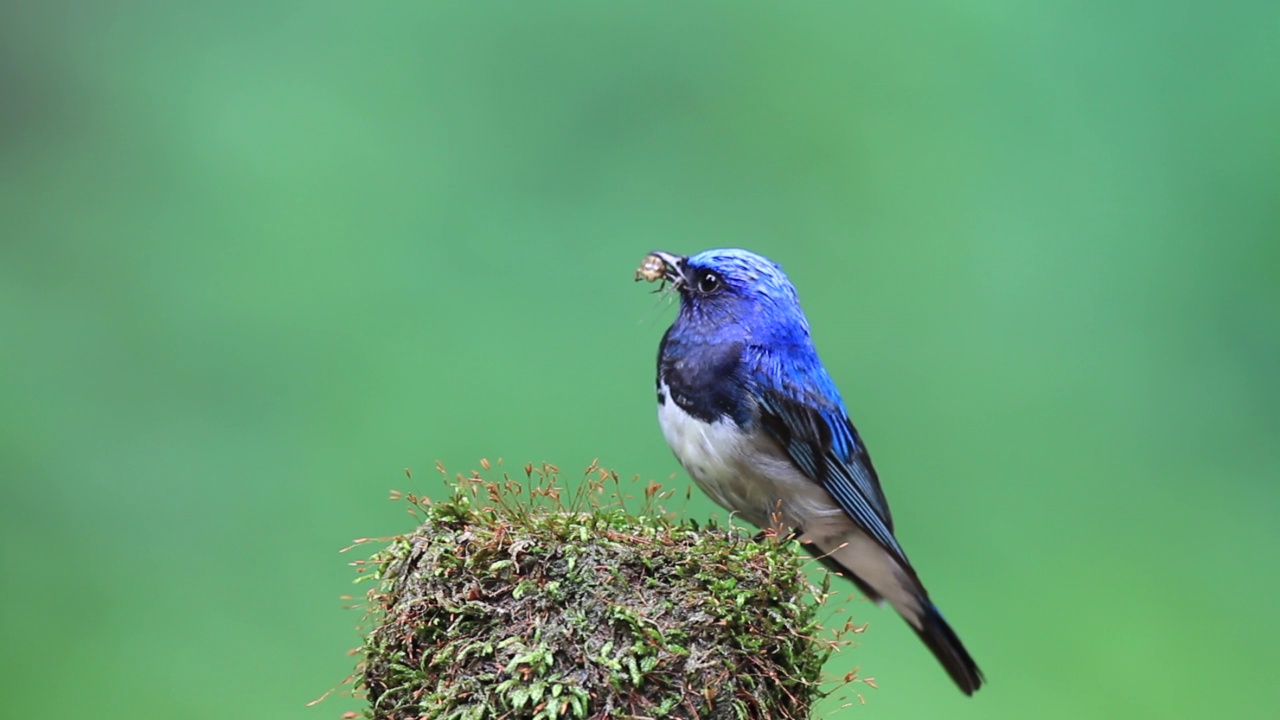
<point x="733" y="467"/>
<point x="710" y="452"/>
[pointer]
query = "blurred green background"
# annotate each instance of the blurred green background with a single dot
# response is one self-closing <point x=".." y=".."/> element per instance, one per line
<point x="256" y="257"/>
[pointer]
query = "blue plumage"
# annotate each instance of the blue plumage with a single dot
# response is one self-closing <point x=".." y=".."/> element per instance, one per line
<point x="753" y="416"/>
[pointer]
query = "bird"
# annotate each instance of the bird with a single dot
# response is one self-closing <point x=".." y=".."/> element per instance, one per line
<point x="756" y="421"/>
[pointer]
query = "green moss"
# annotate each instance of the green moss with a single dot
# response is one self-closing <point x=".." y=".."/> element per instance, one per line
<point x="513" y="601"/>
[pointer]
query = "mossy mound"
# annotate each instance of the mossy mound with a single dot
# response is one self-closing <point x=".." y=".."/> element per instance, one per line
<point x="509" y="603"/>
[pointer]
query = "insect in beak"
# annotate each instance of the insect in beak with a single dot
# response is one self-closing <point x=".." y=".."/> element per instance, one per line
<point x="662" y="267"/>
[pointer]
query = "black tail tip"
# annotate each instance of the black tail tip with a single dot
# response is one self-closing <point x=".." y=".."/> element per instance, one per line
<point x="941" y="640"/>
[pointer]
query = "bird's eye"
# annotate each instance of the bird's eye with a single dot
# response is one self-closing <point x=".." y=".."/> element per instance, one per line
<point x="708" y="282"/>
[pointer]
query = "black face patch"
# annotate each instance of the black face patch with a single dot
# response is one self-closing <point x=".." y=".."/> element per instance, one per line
<point x="703" y="384"/>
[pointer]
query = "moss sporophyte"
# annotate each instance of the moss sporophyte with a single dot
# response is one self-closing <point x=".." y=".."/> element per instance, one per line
<point x="531" y="599"/>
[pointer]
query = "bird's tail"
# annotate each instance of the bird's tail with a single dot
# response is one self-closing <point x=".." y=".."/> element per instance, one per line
<point x="941" y="640"/>
<point x="861" y="561"/>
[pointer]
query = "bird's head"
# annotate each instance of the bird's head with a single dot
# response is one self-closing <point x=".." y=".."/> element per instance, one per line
<point x="729" y="287"/>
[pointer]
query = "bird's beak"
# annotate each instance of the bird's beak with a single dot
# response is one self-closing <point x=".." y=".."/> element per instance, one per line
<point x="664" y="266"/>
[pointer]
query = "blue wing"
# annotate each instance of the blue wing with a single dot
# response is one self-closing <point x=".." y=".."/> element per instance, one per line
<point x="802" y="411"/>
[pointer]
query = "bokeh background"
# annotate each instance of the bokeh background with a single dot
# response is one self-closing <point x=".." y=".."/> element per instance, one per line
<point x="258" y="256"/>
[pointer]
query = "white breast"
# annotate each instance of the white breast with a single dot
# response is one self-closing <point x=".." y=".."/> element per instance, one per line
<point x="713" y="453"/>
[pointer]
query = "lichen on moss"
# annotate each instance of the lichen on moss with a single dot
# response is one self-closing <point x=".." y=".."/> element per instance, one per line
<point x="526" y="599"/>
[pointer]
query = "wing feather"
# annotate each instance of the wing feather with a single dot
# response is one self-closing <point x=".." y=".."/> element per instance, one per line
<point x="819" y="438"/>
